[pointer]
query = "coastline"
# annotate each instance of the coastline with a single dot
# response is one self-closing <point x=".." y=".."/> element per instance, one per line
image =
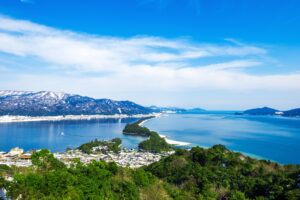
<point x="181" y="143"/>
<point x="169" y="141"/>
<point x="18" y="118"/>
<point x="174" y="142"/>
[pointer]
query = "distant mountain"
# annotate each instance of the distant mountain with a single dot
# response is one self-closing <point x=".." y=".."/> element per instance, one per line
<point x="261" y="111"/>
<point x="167" y="109"/>
<point x="271" y="111"/>
<point x="175" y="109"/>
<point x="195" y="110"/>
<point x="293" y="112"/>
<point x="57" y="103"/>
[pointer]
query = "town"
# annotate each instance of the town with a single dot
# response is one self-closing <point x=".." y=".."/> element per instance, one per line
<point x="131" y="158"/>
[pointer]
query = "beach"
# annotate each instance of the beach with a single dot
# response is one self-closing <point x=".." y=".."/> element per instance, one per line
<point x="169" y="141"/>
<point x="174" y="142"/>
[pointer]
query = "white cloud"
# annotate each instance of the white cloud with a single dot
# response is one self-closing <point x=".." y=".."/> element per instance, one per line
<point x="26" y="1"/>
<point x="95" y="53"/>
<point x="117" y="66"/>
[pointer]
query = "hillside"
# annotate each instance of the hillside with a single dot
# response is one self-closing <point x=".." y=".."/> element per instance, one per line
<point x="208" y="174"/>
<point x="154" y="143"/>
<point x="271" y="111"/>
<point x="293" y="112"/>
<point x="57" y="103"/>
<point x="261" y="111"/>
<point x="218" y="173"/>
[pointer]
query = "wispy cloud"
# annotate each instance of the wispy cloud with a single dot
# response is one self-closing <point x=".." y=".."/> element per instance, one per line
<point x="96" y="53"/>
<point x="114" y="66"/>
<point x="27" y="1"/>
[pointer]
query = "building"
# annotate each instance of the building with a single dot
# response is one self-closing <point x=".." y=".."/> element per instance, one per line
<point x="16" y="151"/>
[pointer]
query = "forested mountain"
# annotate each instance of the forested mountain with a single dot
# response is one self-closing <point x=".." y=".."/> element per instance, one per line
<point x="271" y="111"/>
<point x="261" y="111"/>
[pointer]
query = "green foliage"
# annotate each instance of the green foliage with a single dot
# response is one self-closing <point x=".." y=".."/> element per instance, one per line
<point x="44" y="160"/>
<point x="143" y="178"/>
<point x="155" y="143"/>
<point x="207" y="174"/>
<point x="237" y="195"/>
<point x="136" y="129"/>
<point x="293" y="194"/>
<point x="2" y="182"/>
<point x="218" y="173"/>
<point x="97" y="180"/>
<point x="112" y="145"/>
<point x="4" y="169"/>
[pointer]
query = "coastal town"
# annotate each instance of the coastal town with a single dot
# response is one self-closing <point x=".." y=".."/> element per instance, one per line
<point x="126" y="158"/>
<point x="108" y="151"/>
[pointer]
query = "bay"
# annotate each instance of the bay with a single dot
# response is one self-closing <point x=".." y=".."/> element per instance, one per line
<point x="59" y="135"/>
<point x="265" y="137"/>
<point x="274" y="138"/>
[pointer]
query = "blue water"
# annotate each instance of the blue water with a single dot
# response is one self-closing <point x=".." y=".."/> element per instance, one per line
<point x="267" y="137"/>
<point x="59" y="135"/>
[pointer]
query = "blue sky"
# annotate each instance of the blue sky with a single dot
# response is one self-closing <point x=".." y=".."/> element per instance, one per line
<point x="216" y="54"/>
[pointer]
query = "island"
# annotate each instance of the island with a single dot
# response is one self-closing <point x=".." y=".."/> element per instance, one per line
<point x="294" y="112"/>
<point x="136" y="129"/>
<point x="261" y="111"/>
<point x="271" y="111"/>
<point x="154" y="143"/>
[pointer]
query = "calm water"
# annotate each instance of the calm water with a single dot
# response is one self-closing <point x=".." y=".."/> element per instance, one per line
<point x="269" y="137"/>
<point x="275" y="138"/>
<point x="59" y="135"/>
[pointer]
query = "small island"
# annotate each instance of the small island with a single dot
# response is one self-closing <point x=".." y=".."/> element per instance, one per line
<point x="271" y="111"/>
<point x="136" y="128"/>
<point x="154" y="143"/>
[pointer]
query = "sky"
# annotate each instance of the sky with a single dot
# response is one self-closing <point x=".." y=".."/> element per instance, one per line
<point x="213" y="54"/>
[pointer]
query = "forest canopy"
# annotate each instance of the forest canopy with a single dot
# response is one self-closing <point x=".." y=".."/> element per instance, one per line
<point x="214" y="173"/>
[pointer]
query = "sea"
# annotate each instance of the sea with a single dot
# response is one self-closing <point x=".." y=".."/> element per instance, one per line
<point x="272" y="138"/>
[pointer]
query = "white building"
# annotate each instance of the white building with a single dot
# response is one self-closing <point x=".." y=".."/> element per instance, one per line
<point x="16" y="151"/>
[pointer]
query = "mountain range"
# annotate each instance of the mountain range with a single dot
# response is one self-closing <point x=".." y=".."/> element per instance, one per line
<point x="46" y="103"/>
<point x="176" y="110"/>
<point x="271" y="111"/>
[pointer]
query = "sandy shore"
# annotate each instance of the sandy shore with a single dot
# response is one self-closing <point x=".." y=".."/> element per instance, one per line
<point x="169" y="141"/>
<point x="175" y="142"/>
<point x="11" y="119"/>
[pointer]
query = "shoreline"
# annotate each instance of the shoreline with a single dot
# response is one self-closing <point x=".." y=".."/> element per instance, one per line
<point x="169" y="141"/>
<point x="174" y="142"/>
<point x="181" y="143"/>
<point x="19" y="118"/>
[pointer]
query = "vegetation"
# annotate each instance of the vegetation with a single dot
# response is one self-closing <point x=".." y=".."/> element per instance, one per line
<point x="218" y="173"/>
<point x="136" y="129"/>
<point x="97" y="180"/>
<point x="208" y="174"/>
<point x="154" y="143"/>
<point x="112" y="145"/>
